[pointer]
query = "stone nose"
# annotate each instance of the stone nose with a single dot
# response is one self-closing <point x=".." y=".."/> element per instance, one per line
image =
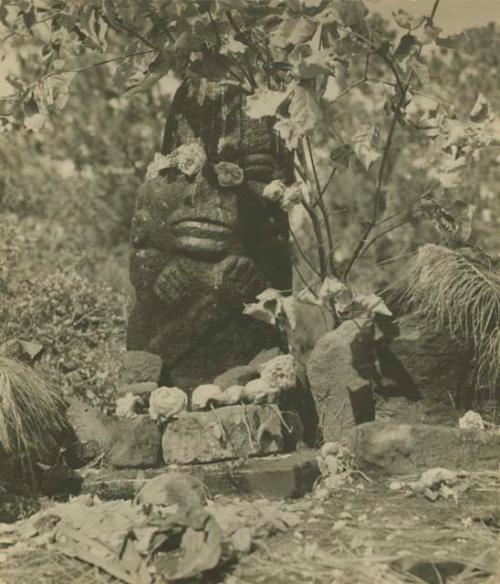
<point x="205" y="190"/>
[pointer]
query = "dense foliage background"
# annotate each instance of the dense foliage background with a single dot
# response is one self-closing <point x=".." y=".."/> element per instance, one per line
<point x="74" y="147"/>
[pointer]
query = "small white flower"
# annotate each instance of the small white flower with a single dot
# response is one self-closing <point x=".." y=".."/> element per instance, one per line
<point x="167" y="402"/>
<point x="471" y="421"/>
<point x="229" y="174"/>
<point x="279" y="372"/>
<point x="274" y="191"/>
<point x="160" y="161"/>
<point x="293" y="195"/>
<point x="231" y="396"/>
<point x="190" y="158"/>
<point x="257" y="390"/>
<point x="203" y="395"/>
<point x="126" y="406"/>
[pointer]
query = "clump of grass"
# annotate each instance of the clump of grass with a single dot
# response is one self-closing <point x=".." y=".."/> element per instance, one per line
<point x="31" y="414"/>
<point x="457" y="293"/>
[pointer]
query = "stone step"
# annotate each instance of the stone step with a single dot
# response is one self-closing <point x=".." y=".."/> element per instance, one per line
<point x="224" y="433"/>
<point x="285" y="476"/>
<point x="404" y="449"/>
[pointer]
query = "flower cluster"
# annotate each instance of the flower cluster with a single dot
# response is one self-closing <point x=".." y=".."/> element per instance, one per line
<point x="167" y="402"/>
<point x="229" y="174"/>
<point x="277" y="192"/>
<point x="188" y="158"/>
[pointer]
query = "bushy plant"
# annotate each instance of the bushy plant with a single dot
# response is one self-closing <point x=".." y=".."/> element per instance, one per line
<point x="79" y="324"/>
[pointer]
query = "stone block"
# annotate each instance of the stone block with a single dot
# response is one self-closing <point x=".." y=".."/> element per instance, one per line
<point x="425" y="368"/>
<point x="141" y="366"/>
<point x="223" y="434"/>
<point x="141" y="389"/>
<point x="92" y="428"/>
<point x="264" y="356"/>
<point x="341" y="371"/>
<point x="402" y="449"/>
<point x="135" y="443"/>
<point x="236" y="376"/>
<point x="275" y="477"/>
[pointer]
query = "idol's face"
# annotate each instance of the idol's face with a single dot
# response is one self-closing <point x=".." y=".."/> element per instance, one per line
<point x="197" y="216"/>
<point x="209" y="220"/>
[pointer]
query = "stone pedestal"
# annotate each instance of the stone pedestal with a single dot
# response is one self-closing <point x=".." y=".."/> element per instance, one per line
<point x="223" y="434"/>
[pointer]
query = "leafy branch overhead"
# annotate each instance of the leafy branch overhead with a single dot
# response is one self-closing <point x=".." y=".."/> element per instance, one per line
<point x="296" y="61"/>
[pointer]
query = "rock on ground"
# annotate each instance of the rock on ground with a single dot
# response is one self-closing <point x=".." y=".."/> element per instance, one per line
<point x="141" y="366"/>
<point x="264" y="356"/>
<point x="135" y="443"/>
<point x="223" y="434"/>
<point x="93" y="430"/>
<point x="340" y="372"/>
<point x="425" y="368"/>
<point x="401" y="449"/>
<point x="236" y="376"/>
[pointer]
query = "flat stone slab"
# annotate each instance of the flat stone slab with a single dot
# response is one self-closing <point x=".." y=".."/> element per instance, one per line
<point x="401" y="449"/>
<point x="284" y="476"/>
<point x="135" y="443"/>
<point x="223" y="434"/>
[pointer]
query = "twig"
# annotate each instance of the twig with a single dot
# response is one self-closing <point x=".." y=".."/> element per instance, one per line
<point x="322" y="208"/>
<point x="385" y="232"/>
<point x="301" y="252"/>
<point x="409" y="206"/>
<point x="378" y="190"/>
<point x="132" y="32"/>
<point x="319" y="238"/>
<point x="16" y="32"/>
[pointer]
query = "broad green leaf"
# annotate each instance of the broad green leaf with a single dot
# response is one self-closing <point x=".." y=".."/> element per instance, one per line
<point x="31" y="349"/>
<point x="352" y="12"/>
<point x="341" y="155"/>
<point x="427" y="34"/>
<point x="365" y="145"/>
<point x="292" y="31"/>
<point x="308" y="63"/>
<point x="304" y="109"/>
<point x="331" y="288"/>
<point x="373" y="304"/>
<point x="223" y="5"/>
<point x="264" y="102"/>
<point x="273" y="308"/>
<point x="481" y="110"/>
<point x="407" y="45"/>
<point x="233" y="46"/>
<point x="288" y="131"/>
<point x="306" y="296"/>
<point x="405" y="20"/>
<point x="52" y="91"/>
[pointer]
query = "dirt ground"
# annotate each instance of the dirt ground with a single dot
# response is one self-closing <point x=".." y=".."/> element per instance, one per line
<point x="368" y="530"/>
<point x="375" y="534"/>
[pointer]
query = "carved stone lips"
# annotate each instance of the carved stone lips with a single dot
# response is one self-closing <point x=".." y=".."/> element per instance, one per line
<point x="201" y="227"/>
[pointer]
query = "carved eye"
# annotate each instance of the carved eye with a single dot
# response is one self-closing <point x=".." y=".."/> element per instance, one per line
<point x="259" y="167"/>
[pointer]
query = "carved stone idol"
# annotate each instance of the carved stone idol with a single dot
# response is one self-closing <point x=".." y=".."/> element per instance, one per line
<point x="203" y="247"/>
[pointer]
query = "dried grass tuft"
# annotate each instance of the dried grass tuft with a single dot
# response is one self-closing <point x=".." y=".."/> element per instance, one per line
<point x="31" y="413"/>
<point x="460" y="295"/>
